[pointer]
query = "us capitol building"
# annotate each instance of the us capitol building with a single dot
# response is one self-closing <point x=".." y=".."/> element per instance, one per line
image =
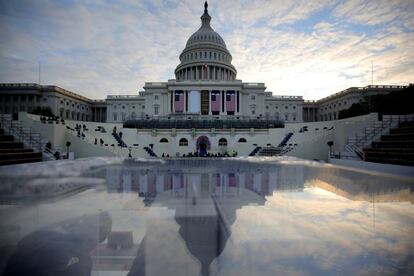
<point x="205" y="88"/>
<point x="205" y="85"/>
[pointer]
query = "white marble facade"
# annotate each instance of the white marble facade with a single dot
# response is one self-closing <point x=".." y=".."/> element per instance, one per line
<point x="205" y="85"/>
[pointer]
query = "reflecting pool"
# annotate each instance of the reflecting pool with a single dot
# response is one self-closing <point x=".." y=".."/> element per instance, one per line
<point x="105" y="216"/>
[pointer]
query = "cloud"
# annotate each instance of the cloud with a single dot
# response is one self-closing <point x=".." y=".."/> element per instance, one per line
<point x="297" y="47"/>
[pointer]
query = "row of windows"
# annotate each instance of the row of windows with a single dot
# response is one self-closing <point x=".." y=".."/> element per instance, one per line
<point x="29" y="98"/>
<point x="334" y="105"/>
<point x="277" y="107"/>
<point x="184" y="142"/>
<point x="207" y="37"/>
<point x="133" y="107"/>
<point x="73" y="105"/>
<point x="207" y="55"/>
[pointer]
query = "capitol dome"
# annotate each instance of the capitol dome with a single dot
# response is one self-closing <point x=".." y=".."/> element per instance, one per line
<point x="205" y="56"/>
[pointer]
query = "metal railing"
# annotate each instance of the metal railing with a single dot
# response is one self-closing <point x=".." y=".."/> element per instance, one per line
<point x="21" y="134"/>
<point x="356" y="144"/>
<point x="28" y="137"/>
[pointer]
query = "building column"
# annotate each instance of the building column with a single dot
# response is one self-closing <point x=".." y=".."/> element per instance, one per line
<point x="209" y="102"/>
<point x="185" y="100"/>
<point x="172" y="100"/>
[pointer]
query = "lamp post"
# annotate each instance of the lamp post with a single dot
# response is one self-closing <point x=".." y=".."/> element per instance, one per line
<point x="68" y="143"/>
<point x="130" y="150"/>
<point x="330" y="144"/>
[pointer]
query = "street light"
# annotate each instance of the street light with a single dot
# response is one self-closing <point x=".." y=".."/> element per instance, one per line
<point x="68" y="143"/>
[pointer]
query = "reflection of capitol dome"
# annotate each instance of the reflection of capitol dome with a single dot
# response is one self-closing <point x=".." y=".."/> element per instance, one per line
<point x="205" y="56"/>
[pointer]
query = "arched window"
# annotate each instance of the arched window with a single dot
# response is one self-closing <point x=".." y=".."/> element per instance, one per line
<point x="183" y="142"/>
<point x="242" y="140"/>
<point x="164" y="140"/>
<point x="222" y="142"/>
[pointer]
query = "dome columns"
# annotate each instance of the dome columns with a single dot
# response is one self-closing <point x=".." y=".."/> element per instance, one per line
<point x="205" y="72"/>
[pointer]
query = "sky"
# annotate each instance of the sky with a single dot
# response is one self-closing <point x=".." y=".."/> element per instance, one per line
<point x="306" y="48"/>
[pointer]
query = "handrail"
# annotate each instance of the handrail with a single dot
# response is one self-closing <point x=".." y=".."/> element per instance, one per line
<point x="359" y="141"/>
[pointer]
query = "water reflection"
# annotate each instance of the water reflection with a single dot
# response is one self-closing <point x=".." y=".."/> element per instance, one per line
<point x="213" y="217"/>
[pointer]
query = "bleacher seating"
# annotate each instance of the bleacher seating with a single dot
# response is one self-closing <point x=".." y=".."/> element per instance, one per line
<point x="12" y="152"/>
<point x="395" y="148"/>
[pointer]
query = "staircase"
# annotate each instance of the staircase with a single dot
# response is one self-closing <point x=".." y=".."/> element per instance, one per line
<point x="13" y="152"/>
<point x="285" y="140"/>
<point x="274" y="151"/>
<point x="150" y="151"/>
<point x="255" y="151"/>
<point x="397" y="147"/>
<point x="355" y="144"/>
<point x="118" y="138"/>
<point x="270" y="151"/>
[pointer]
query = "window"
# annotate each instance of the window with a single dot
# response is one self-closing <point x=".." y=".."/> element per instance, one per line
<point x="286" y="107"/>
<point x="242" y="140"/>
<point x="286" y="117"/>
<point x="294" y="107"/>
<point x="156" y="97"/>
<point x="183" y="142"/>
<point x="164" y="140"/>
<point x="267" y="107"/>
<point x="253" y="97"/>
<point x="156" y="109"/>
<point x="114" y="106"/>
<point x="123" y="116"/>
<point x="123" y="107"/>
<point x="222" y="142"/>
<point x="115" y="117"/>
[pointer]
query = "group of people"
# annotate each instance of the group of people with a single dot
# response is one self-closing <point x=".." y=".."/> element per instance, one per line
<point x="196" y="154"/>
<point x="45" y="119"/>
<point x="208" y="154"/>
<point x="81" y="130"/>
<point x="114" y="131"/>
<point x="48" y="149"/>
<point x="101" y="141"/>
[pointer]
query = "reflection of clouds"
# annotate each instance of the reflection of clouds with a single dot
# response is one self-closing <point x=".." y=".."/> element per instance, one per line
<point x="279" y="219"/>
<point x="321" y="233"/>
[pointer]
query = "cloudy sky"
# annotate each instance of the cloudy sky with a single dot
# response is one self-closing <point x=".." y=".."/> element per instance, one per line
<point x="309" y="48"/>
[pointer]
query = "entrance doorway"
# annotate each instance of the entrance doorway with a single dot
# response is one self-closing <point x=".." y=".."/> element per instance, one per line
<point x="203" y="149"/>
<point x="203" y="145"/>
